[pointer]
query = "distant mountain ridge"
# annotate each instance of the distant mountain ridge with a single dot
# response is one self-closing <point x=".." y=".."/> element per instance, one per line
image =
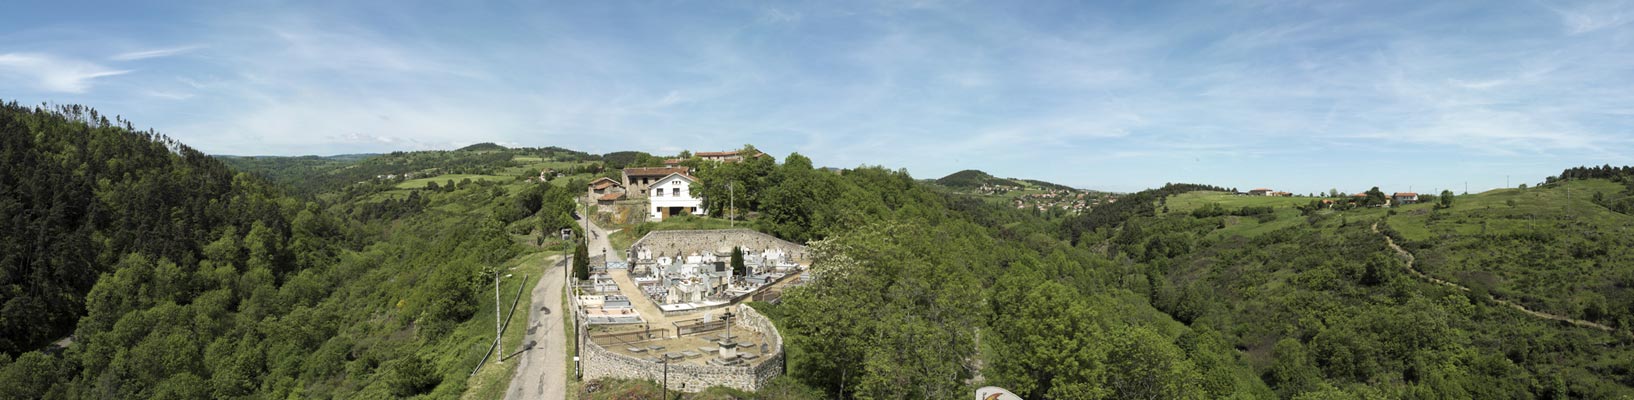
<point x="974" y="178"/>
<point x="484" y="146"/>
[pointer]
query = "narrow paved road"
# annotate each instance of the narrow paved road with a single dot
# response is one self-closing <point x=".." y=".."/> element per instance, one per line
<point x="542" y="370"/>
<point x="1408" y="257"/>
<point x="599" y="243"/>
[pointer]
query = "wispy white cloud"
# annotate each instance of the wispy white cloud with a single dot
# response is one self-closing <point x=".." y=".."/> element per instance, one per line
<point x="1094" y="95"/>
<point x="52" y="73"/>
<point x="154" y="53"/>
<point x="778" y="16"/>
<point x="170" y="95"/>
<point x="1594" y="16"/>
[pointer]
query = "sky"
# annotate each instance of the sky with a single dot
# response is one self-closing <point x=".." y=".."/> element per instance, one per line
<point x="1301" y="96"/>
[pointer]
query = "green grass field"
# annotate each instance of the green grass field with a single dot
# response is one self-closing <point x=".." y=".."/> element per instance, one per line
<point x="1190" y="201"/>
<point x="622" y="239"/>
<point x="442" y="179"/>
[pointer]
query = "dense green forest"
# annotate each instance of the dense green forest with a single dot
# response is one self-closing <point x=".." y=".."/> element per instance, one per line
<point x="179" y="278"/>
<point x="919" y="292"/>
<point x="182" y="276"/>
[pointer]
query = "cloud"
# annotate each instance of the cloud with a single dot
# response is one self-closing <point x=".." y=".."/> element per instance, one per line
<point x="54" y="74"/>
<point x="776" y="16"/>
<point x="1592" y="17"/>
<point x="155" y="53"/>
<point x="170" y="95"/>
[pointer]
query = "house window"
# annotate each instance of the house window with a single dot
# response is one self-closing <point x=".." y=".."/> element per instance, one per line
<point x="658" y="192"/>
<point x="675" y="192"/>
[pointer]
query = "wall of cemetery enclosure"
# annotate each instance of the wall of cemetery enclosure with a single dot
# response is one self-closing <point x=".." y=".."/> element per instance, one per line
<point x="683" y="243"/>
<point x="598" y="362"/>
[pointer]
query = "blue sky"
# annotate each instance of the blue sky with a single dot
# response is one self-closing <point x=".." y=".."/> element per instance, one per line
<point x="1298" y="95"/>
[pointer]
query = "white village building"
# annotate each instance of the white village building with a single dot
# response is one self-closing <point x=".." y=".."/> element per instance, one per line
<point x="672" y="195"/>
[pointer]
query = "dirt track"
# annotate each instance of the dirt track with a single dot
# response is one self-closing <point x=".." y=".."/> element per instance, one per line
<point x="1408" y="257"/>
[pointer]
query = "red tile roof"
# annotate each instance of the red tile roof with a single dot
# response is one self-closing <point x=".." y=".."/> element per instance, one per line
<point x="603" y="183"/>
<point x="1405" y="194"/>
<point x="611" y="196"/>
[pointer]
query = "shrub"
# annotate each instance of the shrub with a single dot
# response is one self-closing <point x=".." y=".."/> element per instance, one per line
<point x="410" y="376"/>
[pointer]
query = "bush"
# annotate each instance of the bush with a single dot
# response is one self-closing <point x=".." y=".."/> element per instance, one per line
<point x="410" y="376"/>
<point x="1209" y="210"/>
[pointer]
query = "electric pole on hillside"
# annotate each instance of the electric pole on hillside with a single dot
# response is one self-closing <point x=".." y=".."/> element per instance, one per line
<point x="732" y="203"/>
<point x="497" y="329"/>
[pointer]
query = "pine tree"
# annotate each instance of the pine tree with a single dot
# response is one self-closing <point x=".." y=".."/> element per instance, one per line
<point x="581" y="262"/>
<point x="737" y="262"/>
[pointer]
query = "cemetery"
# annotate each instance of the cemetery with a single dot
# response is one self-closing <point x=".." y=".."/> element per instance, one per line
<point x="677" y="306"/>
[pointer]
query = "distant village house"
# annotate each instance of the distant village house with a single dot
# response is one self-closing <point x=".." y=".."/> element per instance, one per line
<point x="638" y="180"/>
<point x="1404" y="197"/>
<point x="604" y="185"/>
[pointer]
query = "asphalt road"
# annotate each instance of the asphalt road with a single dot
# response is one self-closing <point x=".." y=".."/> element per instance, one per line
<point x="542" y="370"/>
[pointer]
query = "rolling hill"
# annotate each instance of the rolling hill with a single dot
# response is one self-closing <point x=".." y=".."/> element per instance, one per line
<point x="181" y="275"/>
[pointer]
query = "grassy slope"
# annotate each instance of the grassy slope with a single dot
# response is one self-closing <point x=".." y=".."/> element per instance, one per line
<point x="629" y="234"/>
<point x="441" y="179"/>
<point x="1540" y="273"/>
<point x="1544" y="251"/>
<point x="1190" y="201"/>
<point x="1458" y="243"/>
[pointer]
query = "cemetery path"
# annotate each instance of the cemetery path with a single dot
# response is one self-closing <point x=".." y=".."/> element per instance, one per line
<point x="1413" y="268"/>
<point x="541" y="372"/>
<point x="644" y="305"/>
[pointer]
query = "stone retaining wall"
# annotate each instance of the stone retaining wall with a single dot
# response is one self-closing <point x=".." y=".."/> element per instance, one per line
<point x="599" y="362"/>
<point x="682" y="243"/>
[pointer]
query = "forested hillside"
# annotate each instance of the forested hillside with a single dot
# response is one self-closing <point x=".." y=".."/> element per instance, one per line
<point x="312" y="175"/>
<point x="918" y="293"/>
<point x="1321" y="307"/>
<point x="181" y="279"/>
<point x="79" y="193"/>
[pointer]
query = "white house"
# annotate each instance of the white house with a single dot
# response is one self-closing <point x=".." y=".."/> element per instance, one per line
<point x="672" y="195"/>
<point x="1405" y="197"/>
